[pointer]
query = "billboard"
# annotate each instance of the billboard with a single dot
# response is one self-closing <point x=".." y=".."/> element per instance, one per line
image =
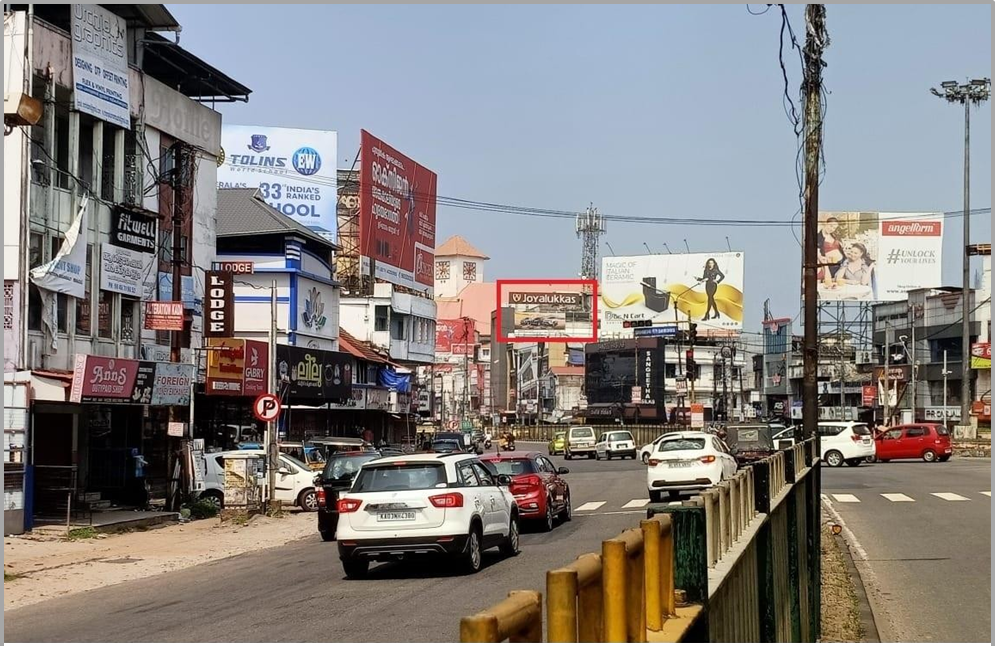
<point x="396" y="215"/>
<point x="871" y="256"/>
<point x="981" y="356"/>
<point x="706" y="288"/>
<point x="100" y="64"/>
<point x="458" y="333"/>
<point x="546" y="310"/>
<point x="294" y="170"/>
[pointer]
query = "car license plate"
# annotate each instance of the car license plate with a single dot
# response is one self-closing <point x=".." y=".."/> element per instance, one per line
<point x="680" y="464"/>
<point x="395" y="515"/>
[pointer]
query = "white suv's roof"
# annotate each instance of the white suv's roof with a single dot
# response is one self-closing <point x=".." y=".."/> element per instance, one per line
<point x="421" y="457"/>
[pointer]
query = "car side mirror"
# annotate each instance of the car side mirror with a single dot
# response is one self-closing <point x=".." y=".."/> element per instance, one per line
<point x="504" y="481"/>
<point x="283" y="471"/>
<point x="563" y="471"/>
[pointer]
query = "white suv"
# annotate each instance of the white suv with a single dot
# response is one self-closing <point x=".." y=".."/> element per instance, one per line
<point x="846" y="443"/>
<point x="425" y="505"/>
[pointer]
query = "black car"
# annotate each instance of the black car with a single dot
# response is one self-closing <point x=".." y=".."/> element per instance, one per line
<point x="337" y="476"/>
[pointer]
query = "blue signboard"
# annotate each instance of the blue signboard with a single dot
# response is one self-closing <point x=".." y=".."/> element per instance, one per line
<point x="656" y="330"/>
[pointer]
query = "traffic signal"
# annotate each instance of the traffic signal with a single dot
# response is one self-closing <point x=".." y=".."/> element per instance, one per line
<point x="693" y="332"/>
<point x="691" y="366"/>
<point x="632" y="324"/>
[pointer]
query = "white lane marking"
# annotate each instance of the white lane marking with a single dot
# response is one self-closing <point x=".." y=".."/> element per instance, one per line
<point x="952" y="497"/>
<point x="612" y="513"/>
<point x="986" y="493"/>
<point x="591" y="506"/>
<point x="897" y="497"/>
<point x="845" y="497"/>
<point x="638" y="502"/>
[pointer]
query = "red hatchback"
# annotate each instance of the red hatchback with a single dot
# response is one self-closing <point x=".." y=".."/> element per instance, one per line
<point x="927" y="442"/>
<point x="539" y="490"/>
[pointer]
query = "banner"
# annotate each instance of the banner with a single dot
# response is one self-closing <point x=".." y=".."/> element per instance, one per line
<point x="294" y="170"/>
<point x="304" y="373"/>
<point x="122" y="270"/>
<point x="397" y="215"/>
<point x="219" y="306"/>
<point x="164" y="315"/>
<point x="454" y="332"/>
<point x="981" y="356"/>
<point x="870" y="256"/>
<point x="100" y="64"/>
<point x="706" y="288"/>
<point x="135" y="231"/>
<point x="66" y="272"/>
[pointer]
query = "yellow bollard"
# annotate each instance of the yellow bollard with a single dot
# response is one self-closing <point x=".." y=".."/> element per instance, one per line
<point x="589" y="598"/>
<point x="479" y="629"/>
<point x="651" y="573"/>
<point x="561" y="606"/>
<point x="614" y="591"/>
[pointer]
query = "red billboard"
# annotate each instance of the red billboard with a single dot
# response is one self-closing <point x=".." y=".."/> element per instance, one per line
<point x="454" y="332"/>
<point x="396" y="215"/>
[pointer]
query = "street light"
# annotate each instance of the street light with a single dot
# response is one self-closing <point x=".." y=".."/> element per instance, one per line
<point x="975" y="92"/>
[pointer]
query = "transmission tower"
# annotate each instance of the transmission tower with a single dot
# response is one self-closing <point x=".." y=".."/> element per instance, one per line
<point x="590" y="226"/>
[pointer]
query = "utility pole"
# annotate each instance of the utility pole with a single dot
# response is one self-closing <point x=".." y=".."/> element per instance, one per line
<point x="945" y="373"/>
<point x="182" y="175"/>
<point x="887" y="376"/>
<point x="974" y="93"/>
<point x="913" y="312"/>
<point x="815" y="43"/>
<point x="271" y="432"/>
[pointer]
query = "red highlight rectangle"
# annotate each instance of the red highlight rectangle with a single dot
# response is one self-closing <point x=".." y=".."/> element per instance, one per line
<point x="906" y="228"/>
<point x="591" y="283"/>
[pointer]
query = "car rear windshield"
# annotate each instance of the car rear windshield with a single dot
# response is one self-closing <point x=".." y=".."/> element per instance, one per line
<point x="446" y="445"/>
<point x="512" y="467"/>
<point x="862" y="429"/>
<point x="340" y="467"/>
<point x="619" y="437"/>
<point x="682" y="444"/>
<point x="942" y="430"/>
<point x="405" y="476"/>
<point x="746" y="434"/>
<point x="582" y="432"/>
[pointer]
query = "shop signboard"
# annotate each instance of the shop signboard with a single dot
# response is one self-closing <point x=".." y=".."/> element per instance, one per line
<point x="135" y="231"/>
<point x="306" y="373"/>
<point x="112" y="380"/>
<point x="163" y="315"/>
<point x="981" y="356"/>
<point x="122" y="270"/>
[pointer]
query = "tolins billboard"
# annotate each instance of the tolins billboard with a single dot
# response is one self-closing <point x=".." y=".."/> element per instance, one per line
<point x="706" y="288"/>
<point x="396" y="215"/>
<point x="870" y="256"/>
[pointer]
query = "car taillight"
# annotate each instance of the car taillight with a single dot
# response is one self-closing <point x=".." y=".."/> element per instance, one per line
<point x="321" y="497"/>
<point x="855" y="438"/>
<point x="707" y="459"/>
<point x="937" y="441"/>
<point x="526" y="484"/>
<point x="652" y="462"/>
<point x="454" y="499"/>
<point x="348" y="505"/>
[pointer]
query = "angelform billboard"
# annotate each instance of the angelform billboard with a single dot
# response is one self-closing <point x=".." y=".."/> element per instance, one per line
<point x="870" y="256"/>
<point x="294" y="170"/>
<point x="706" y="288"/>
<point x="396" y="215"/>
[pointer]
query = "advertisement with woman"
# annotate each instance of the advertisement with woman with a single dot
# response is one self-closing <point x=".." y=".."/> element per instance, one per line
<point x="870" y="256"/>
<point x="706" y="288"/>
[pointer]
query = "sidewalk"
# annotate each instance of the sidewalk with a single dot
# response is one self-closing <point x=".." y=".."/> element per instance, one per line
<point x="48" y="567"/>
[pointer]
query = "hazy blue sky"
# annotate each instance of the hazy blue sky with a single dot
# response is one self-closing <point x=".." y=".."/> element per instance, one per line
<point x="647" y="111"/>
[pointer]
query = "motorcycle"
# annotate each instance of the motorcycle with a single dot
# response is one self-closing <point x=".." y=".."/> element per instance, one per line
<point x="507" y="443"/>
<point x="488" y="444"/>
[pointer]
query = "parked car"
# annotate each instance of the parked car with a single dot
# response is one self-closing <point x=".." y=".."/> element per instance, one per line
<point x="338" y="475"/>
<point x="615" y="444"/>
<point x="425" y="505"/>
<point x="688" y="461"/>
<point x="558" y="442"/>
<point x="847" y="443"/>
<point x="783" y="438"/>
<point x="927" y="442"/>
<point x="540" y="492"/>
<point x="749" y="442"/>
<point x="294" y="480"/>
<point x="647" y="450"/>
<point x="331" y="444"/>
<point x="580" y="441"/>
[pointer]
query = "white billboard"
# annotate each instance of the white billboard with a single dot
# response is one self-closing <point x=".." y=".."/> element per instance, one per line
<point x="870" y="256"/>
<point x="100" y="64"/>
<point x="294" y="170"/>
<point x="706" y="288"/>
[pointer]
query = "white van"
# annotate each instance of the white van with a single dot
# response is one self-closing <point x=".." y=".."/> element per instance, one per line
<point x="294" y="480"/>
<point x="847" y="443"/>
<point x="580" y="440"/>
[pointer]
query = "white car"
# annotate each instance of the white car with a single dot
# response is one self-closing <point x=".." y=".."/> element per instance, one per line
<point x="847" y="443"/>
<point x="688" y="461"/>
<point x="647" y="450"/>
<point x="294" y="479"/>
<point x="425" y="505"/>
<point x="615" y="444"/>
<point x="784" y="438"/>
<point x="580" y="440"/>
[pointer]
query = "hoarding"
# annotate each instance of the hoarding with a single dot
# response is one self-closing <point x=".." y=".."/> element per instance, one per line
<point x="871" y="256"/>
<point x="981" y="356"/>
<point x="293" y="168"/>
<point x="100" y="64"/>
<point x="546" y="310"/>
<point x="396" y="215"/>
<point x="460" y="333"/>
<point x="128" y="381"/>
<point x="304" y="373"/>
<point x="706" y="288"/>
<point x="237" y="367"/>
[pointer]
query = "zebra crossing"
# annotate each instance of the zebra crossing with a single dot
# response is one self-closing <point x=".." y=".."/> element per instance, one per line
<point x="597" y="507"/>
<point x="947" y="496"/>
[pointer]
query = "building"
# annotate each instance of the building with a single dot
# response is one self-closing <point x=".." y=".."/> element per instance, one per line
<point x="457" y="264"/>
<point x="108" y="196"/>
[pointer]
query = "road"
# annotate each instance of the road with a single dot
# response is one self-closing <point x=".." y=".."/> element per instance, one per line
<point x="923" y="543"/>
<point x="298" y="592"/>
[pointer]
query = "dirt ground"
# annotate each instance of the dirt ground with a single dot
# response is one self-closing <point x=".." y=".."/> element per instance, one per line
<point x="840" y="609"/>
<point x="40" y="568"/>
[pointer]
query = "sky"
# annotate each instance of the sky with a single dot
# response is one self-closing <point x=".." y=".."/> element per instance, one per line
<point x="672" y="111"/>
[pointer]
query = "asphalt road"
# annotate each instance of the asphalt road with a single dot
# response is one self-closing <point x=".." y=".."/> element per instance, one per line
<point x="298" y="592"/>
<point x="923" y="545"/>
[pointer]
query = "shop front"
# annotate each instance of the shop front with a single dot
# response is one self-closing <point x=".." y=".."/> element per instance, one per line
<point x="310" y="381"/>
<point x="237" y="373"/>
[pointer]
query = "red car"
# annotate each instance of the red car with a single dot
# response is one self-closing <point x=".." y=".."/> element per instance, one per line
<point x="927" y="442"/>
<point x="539" y="490"/>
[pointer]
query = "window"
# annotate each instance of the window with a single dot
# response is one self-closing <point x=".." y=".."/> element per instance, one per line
<point x="397" y="328"/>
<point x="442" y="269"/>
<point x="36" y="256"/>
<point x="485" y="478"/>
<point x="408" y="476"/>
<point x="61" y="300"/>
<point x="128" y="320"/>
<point x="83" y="326"/>
<point x="829" y="431"/>
<point x="107" y="163"/>
<point x="381" y="318"/>
<point x="682" y="444"/>
<point x="915" y="431"/>
<point x="513" y="467"/>
<point x="165" y="246"/>
<point x="105" y="308"/>
<point x="469" y="270"/>
<point x="468" y="477"/>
